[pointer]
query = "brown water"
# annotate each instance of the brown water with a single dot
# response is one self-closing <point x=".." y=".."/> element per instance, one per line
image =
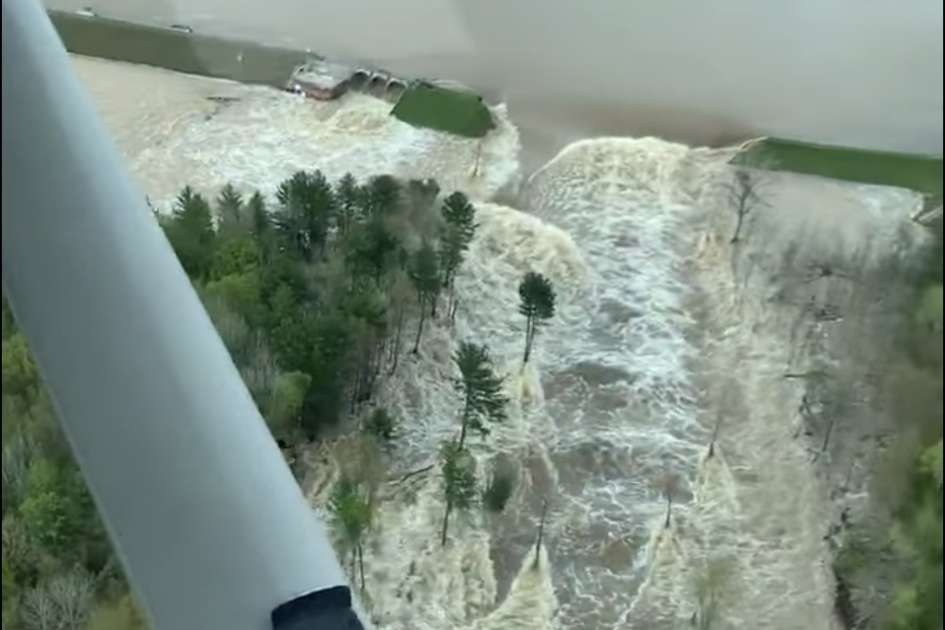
<point x="653" y="321"/>
<point x="862" y="74"/>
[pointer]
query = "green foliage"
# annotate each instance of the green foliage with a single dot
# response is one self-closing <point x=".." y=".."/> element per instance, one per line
<point x="308" y="210"/>
<point x="351" y="510"/>
<point x="241" y="293"/>
<point x="501" y="486"/>
<point x="459" y="475"/>
<point x="381" y="424"/>
<point x="190" y="231"/>
<point x="258" y="215"/>
<point x="460" y="216"/>
<point x="350" y="198"/>
<point x="352" y="513"/>
<point x="537" y="297"/>
<point x="231" y="211"/>
<point x="917" y="536"/>
<point x="382" y="195"/>
<point x="423" y="270"/>
<point x="537" y="304"/>
<point x="372" y="251"/>
<point x="453" y="111"/>
<point x="20" y="376"/>
<point x="235" y="256"/>
<point x="480" y="387"/>
<point x="57" y="510"/>
<point x="284" y="407"/>
<point x="459" y="481"/>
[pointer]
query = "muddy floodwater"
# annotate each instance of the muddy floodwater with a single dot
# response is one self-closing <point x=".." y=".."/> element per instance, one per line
<point x="663" y="326"/>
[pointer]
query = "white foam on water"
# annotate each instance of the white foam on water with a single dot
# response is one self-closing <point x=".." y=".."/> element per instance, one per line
<point x="278" y="133"/>
<point x="173" y="133"/>
<point x="615" y="396"/>
<point x="531" y="602"/>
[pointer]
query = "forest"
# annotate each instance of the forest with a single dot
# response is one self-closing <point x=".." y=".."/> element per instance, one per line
<point x="319" y="296"/>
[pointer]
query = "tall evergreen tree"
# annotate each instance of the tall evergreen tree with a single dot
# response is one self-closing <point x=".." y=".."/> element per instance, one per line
<point x="230" y="209"/>
<point x="373" y="250"/>
<point x="191" y="232"/>
<point x="480" y="387"/>
<point x="459" y="482"/>
<point x="425" y="274"/>
<point x="308" y="209"/>
<point x="460" y="227"/>
<point x="382" y="195"/>
<point x="537" y="304"/>
<point x="349" y="203"/>
<point x="352" y="514"/>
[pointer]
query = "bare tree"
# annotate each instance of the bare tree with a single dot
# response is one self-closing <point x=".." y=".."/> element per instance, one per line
<point x="670" y="487"/>
<point x="541" y="532"/>
<point x="743" y="193"/>
<point x="715" y="437"/>
<point x="61" y="603"/>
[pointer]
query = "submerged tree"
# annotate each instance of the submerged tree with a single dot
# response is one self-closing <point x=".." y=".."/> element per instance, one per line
<point x="541" y="533"/>
<point x="481" y="389"/>
<point x="425" y="274"/>
<point x="743" y="195"/>
<point x="709" y="584"/>
<point x="715" y="437"/>
<point x="537" y="305"/>
<point x="459" y="482"/>
<point x="352" y="513"/>
<point x="501" y="485"/>
<point x="670" y="487"/>
<point x="381" y="424"/>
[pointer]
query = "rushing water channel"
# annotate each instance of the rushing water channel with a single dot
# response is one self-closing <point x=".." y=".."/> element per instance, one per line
<point x="622" y="392"/>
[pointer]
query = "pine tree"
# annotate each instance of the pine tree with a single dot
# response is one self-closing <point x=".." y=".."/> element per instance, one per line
<point x="191" y="232"/>
<point x="259" y="216"/>
<point x="480" y="387"/>
<point x="349" y="208"/>
<point x="308" y="209"/>
<point x="230" y="209"/>
<point x="382" y="195"/>
<point x="352" y="512"/>
<point x="459" y="482"/>
<point x="425" y="274"/>
<point x="537" y="305"/>
<point x="459" y="216"/>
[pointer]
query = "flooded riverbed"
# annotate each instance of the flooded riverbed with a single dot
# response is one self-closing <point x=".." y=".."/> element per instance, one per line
<point x="623" y="390"/>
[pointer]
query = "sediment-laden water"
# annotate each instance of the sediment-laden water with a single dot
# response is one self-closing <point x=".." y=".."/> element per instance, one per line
<point x="663" y="328"/>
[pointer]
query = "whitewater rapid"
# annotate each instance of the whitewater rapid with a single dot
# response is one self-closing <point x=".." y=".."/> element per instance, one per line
<point x="660" y="332"/>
